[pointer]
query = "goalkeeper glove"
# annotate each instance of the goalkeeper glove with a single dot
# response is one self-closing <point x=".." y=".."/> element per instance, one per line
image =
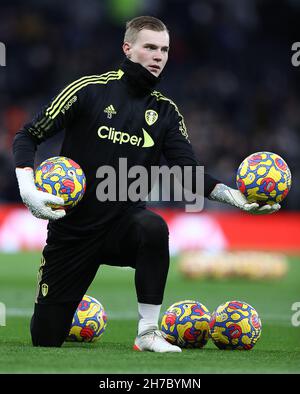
<point x="35" y="200"/>
<point x="225" y="194"/>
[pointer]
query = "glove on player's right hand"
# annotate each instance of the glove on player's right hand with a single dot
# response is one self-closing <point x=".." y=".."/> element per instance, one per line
<point x="35" y="200"/>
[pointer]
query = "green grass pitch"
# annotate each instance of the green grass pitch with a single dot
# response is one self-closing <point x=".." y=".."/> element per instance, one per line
<point x="278" y="350"/>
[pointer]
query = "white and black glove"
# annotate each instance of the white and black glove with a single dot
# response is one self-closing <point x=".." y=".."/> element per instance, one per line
<point x="35" y="200"/>
<point x="234" y="197"/>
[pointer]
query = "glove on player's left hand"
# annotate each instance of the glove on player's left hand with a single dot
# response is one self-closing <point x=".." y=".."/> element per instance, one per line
<point x="234" y="197"/>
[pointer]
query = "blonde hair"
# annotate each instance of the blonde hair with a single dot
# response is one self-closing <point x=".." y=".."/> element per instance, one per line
<point x="135" y="25"/>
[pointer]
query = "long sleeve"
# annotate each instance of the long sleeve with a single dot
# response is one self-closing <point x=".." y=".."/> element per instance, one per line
<point x="54" y="117"/>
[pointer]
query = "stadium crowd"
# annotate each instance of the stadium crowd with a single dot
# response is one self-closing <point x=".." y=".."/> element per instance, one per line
<point x="229" y="72"/>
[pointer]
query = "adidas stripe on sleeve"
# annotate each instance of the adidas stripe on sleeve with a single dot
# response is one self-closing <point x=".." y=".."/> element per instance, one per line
<point x="56" y="116"/>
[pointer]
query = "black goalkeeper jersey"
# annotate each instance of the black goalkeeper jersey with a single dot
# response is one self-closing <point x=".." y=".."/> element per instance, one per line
<point x="106" y="117"/>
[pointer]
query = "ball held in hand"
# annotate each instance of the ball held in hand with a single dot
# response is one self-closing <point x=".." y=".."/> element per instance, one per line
<point x="264" y="178"/>
<point x="62" y="177"/>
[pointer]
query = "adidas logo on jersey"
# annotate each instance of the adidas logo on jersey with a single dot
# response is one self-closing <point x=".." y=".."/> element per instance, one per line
<point x="121" y="137"/>
<point x="110" y="111"/>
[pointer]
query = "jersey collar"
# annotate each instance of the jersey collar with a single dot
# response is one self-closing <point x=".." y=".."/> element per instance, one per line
<point x="138" y="79"/>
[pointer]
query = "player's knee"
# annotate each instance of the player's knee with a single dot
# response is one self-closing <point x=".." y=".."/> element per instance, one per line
<point x="45" y="342"/>
<point x="154" y="231"/>
<point x="50" y="324"/>
<point x="41" y="336"/>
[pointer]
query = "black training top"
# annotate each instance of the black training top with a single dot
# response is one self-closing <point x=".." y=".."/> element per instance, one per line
<point x="106" y="117"/>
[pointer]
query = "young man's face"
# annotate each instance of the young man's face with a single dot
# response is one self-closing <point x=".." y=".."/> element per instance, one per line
<point x="150" y="50"/>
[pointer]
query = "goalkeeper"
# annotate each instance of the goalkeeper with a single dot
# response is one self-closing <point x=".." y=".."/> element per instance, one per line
<point x="120" y="233"/>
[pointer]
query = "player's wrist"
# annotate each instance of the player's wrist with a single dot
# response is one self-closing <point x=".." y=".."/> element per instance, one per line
<point x="25" y="178"/>
<point x="220" y="192"/>
<point x="226" y="194"/>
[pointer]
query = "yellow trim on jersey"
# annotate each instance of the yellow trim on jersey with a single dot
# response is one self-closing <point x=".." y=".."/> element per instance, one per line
<point x="60" y="101"/>
<point x="182" y="126"/>
<point x="68" y="88"/>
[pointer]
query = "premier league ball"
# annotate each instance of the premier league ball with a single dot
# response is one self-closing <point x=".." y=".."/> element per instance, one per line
<point x="235" y="325"/>
<point x="186" y="324"/>
<point x="264" y="177"/>
<point x="61" y="177"/>
<point x="89" y="321"/>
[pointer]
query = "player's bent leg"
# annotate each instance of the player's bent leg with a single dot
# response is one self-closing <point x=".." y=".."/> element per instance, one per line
<point x="66" y="271"/>
<point x="152" y="265"/>
<point x="50" y="323"/>
<point x="152" y="258"/>
<point x="141" y="240"/>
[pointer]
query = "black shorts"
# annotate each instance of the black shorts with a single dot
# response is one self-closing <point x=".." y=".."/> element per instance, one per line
<point x="68" y="268"/>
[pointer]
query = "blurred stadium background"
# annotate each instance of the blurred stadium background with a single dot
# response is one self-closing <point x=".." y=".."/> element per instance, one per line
<point x="230" y="73"/>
